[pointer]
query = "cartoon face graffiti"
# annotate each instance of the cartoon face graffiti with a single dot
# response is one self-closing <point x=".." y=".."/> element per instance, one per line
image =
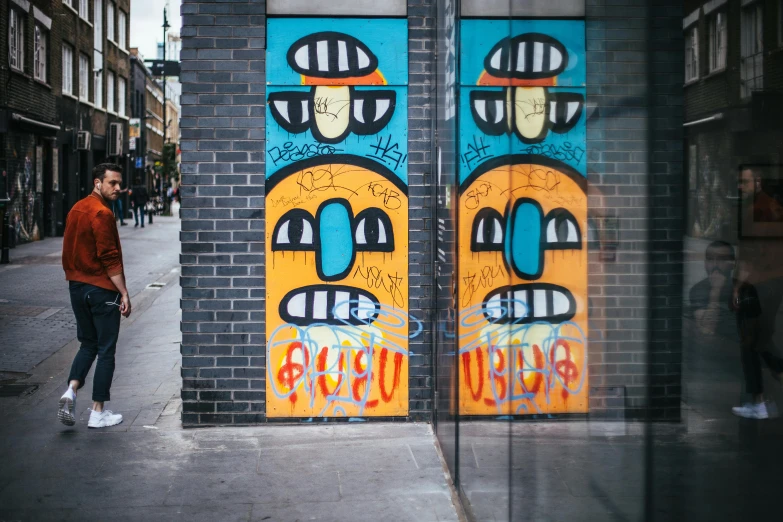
<point x="522" y="281"/>
<point x="337" y="290"/>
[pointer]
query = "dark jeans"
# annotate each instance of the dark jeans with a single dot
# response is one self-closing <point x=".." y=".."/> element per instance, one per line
<point x="97" y="314"/>
<point x="756" y="335"/>
<point x="136" y="210"/>
<point x="751" y="366"/>
<point x="118" y="210"/>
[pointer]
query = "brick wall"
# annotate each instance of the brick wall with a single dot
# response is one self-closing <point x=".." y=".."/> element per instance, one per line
<point x="222" y="125"/>
<point x="635" y="175"/>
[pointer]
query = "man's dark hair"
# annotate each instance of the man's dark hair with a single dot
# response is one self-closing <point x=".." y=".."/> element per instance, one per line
<point x="721" y="244"/>
<point x="99" y="171"/>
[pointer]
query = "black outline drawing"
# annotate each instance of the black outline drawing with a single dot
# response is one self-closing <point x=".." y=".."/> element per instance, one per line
<point x="369" y="214"/>
<point x="523" y="159"/>
<point x="331" y="291"/>
<point x="487" y="245"/>
<point x="288" y="217"/>
<point x="507" y="123"/>
<point x="529" y="288"/>
<point x="368" y="97"/>
<point x="512" y="44"/>
<point x="319" y="252"/>
<point x="352" y="45"/>
<point x="561" y="215"/>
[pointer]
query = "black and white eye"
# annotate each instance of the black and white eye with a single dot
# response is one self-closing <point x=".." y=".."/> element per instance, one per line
<point x="527" y="56"/>
<point x="565" y="109"/>
<point x="562" y="230"/>
<point x="372" y="110"/>
<point x="489" y="111"/>
<point x="329" y="54"/>
<point x="487" y="231"/>
<point x="294" y="232"/>
<point x="373" y="231"/>
<point x="291" y="110"/>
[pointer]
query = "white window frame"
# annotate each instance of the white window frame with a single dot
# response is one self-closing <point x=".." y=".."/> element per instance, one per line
<point x="122" y="90"/>
<point x="41" y="48"/>
<point x="67" y="69"/>
<point x="97" y="24"/>
<point x="751" y="49"/>
<point x="691" y="54"/>
<point x="122" y="33"/>
<point x="110" y="100"/>
<point x="84" y="10"/>
<point x="717" y="42"/>
<point x="84" y="77"/>
<point x="110" y="21"/>
<point x="97" y="92"/>
<point x="16" y="39"/>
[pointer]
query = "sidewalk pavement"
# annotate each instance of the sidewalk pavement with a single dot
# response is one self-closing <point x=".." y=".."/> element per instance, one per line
<point x="149" y="468"/>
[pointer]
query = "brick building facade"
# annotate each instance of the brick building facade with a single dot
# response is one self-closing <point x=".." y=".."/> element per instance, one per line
<point x="632" y="167"/>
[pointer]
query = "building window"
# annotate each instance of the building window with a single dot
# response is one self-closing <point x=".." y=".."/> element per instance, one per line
<point x="110" y="92"/>
<point x="98" y="25"/>
<point x="69" y="3"/>
<point x="97" y="65"/>
<point x="41" y="48"/>
<point x="67" y="69"/>
<point x="84" y="78"/>
<point x="717" y="48"/>
<point x="15" y="40"/>
<point x="84" y="9"/>
<point x="110" y="21"/>
<point x="121" y="96"/>
<point x="691" y="54"/>
<point x="751" y="50"/>
<point x="121" y="18"/>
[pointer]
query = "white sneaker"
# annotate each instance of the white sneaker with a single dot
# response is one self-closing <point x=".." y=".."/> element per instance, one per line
<point x="67" y="407"/>
<point x="103" y="419"/>
<point x="751" y="411"/>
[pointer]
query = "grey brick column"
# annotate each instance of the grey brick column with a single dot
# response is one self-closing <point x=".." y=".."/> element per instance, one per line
<point x="223" y="345"/>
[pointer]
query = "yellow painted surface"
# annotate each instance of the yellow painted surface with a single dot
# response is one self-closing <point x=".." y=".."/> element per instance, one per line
<point x="338" y="370"/>
<point x="521" y="368"/>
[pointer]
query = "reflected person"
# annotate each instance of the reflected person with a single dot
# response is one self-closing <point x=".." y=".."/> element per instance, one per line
<point x="710" y="296"/>
<point x="757" y="294"/>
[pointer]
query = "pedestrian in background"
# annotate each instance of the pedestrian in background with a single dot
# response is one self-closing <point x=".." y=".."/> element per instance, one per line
<point x="117" y="207"/>
<point x="139" y="197"/>
<point x="92" y="260"/>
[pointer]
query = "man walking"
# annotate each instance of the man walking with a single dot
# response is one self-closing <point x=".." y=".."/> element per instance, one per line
<point x="139" y="197"/>
<point x="92" y="260"/>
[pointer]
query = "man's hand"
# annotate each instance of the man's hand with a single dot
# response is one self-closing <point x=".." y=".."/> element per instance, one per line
<point x="125" y="305"/>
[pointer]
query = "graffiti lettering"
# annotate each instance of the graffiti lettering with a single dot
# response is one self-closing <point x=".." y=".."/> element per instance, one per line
<point x="329" y="106"/>
<point x="476" y="281"/>
<point x="473" y="197"/>
<point x="387" y="152"/>
<point x="564" y="152"/>
<point x="391" y="198"/>
<point x="391" y="284"/>
<point x="291" y="152"/>
<point x="478" y="152"/>
<point x="318" y="180"/>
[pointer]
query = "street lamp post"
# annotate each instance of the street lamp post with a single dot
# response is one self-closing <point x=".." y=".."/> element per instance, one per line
<point x="165" y="122"/>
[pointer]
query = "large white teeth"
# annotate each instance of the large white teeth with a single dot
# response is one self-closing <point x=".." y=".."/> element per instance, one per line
<point x="539" y="303"/>
<point x="494" y="309"/>
<point x="297" y="305"/>
<point x="560" y="303"/>
<point x="342" y="309"/>
<point x="520" y="304"/>
<point x="319" y="305"/>
<point x="366" y="307"/>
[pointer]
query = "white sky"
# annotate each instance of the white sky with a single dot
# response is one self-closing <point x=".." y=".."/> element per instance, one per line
<point x="146" y="27"/>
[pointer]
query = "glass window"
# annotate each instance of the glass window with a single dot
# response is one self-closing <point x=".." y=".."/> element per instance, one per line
<point x="121" y="30"/>
<point x="717" y="45"/>
<point x="41" y="47"/>
<point x="67" y="69"/>
<point x="98" y="25"/>
<point x="84" y="9"/>
<point x="121" y="96"/>
<point x="15" y="39"/>
<point x="751" y="50"/>
<point x="98" y="79"/>
<point x="110" y="92"/>
<point x="110" y="21"/>
<point x="692" y="54"/>
<point x="84" y="78"/>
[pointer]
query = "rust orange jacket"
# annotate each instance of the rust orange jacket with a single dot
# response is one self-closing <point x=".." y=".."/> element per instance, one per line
<point x="91" y="245"/>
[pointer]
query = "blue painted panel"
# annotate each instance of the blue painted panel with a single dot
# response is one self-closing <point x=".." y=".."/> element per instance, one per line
<point x="386" y="39"/>
<point x="523" y="244"/>
<point x="476" y="146"/>
<point x="389" y="146"/>
<point x="336" y="240"/>
<point x="478" y="38"/>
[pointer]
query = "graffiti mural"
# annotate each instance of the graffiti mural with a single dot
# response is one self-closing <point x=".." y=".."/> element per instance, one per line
<point x="522" y="283"/>
<point x="21" y="191"/>
<point x="337" y="218"/>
